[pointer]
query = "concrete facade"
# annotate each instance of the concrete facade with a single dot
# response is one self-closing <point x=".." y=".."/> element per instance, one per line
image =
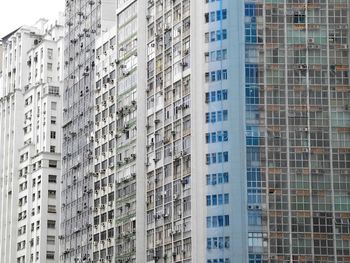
<point x="85" y="21"/>
<point x="30" y="140"/>
<point x="203" y="145"/>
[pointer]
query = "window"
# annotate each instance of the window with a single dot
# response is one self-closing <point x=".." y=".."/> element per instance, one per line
<point x="53" y="135"/>
<point x="53" y="119"/>
<point x="53" y="105"/>
<point x="213" y="96"/>
<point x="224" y="34"/>
<point x="225" y="156"/>
<point x="54" y="90"/>
<point x="207" y="138"/>
<point x="225" y="115"/>
<point x="250" y="9"/>
<point x="218" y="243"/>
<point x="208" y="176"/>
<point x="219" y="157"/>
<point x="256" y="239"/>
<point x="51" y="224"/>
<point x="213" y="117"/>
<point x="217" y="75"/>
<point x="52" y="178"/>
<point x="207" y="117"/>
<point x="213" y="137"/>
<point x="52" y="149"/>
<point x="218" y="95"/>
<point x="224" y="14"/>
<point x="217" y="199"/>
<point x="51" y="193"/>
<point x="52" y="164"/>
<point x="50" y="255"/>
<point x="49" y="66"/>
<point x="49" y="53"/>
<point x="216" y="116"/>
<point x="51" y="240"/>
<point x="51" y="209"/>
<point x="206" y="18"/>
<point x="226" y="199"/>
<point x="208" y="243"/>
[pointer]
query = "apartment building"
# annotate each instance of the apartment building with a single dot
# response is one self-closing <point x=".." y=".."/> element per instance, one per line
<point x="85" y="21"/>
<point x="144" y="106"/>
<point x="30" y="140"/>
<point x="297" y="130"/>
<point x="105" y="147"/>
<point x="168" y="225"/>
<point x="239" y="106"/>
<point x="115" y="139"/>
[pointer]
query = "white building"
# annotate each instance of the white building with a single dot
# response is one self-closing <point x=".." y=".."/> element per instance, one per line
<point x="151" y="154"/>
<point x="85" y="22"/>
<point x="115" y="139"/>
<point x="30" y="138"/>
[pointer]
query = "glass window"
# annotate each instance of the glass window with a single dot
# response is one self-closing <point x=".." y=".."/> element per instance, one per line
<point x="209" y="243"/>
<point x="208" y="200"/>
<point x="225" y="156"/>
<point x="208" y="179"/>
<point x="214" y="200"/>
<point x="225" y="115"/>
<point x="208" y="222"/>
<point x="213" y="179"/>
<point x="226" y="199"/>
<point x="213" y="137"/>
<point x="213" y="96"/>
<point x="220" y="199"/>
<point x="225" y="176"/>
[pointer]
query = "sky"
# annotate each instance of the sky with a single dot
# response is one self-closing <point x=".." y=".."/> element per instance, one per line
<point x="15" y="13"/>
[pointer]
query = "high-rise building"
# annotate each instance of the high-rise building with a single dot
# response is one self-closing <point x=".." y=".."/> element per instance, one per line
<point x="297" y="120"/>
<point x="85" y="20"/>
<point x="150" y="167"/>
<point x="242" y="132"/>
<point x="105" y="147"/>
<point x="115" y="138"/>
<point x="30" y="121"/>
<point x="209" y="131"/>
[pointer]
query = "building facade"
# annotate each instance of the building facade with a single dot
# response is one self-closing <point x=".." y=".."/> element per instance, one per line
<point x="168" y="105"/>
<point x="209" y="131"/>
<point x="242" y="132"/>
<point x="297" y="130"/>
<point x="115" y="138"/>
<point x="30" y="140"/>
<point x="85" y="20"/>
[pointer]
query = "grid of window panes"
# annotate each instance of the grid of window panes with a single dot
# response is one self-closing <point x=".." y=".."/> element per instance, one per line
<point x="297" y="116"/>
<point x="125" y="122"/>
<point x="82" y="26"/>
<point x="217" y="151"/>
<point x="104" y="150"/>
<point x="168" y="165"/>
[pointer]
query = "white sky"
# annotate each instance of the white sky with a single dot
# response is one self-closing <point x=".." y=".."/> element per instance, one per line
<point x="15" y="13"/>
